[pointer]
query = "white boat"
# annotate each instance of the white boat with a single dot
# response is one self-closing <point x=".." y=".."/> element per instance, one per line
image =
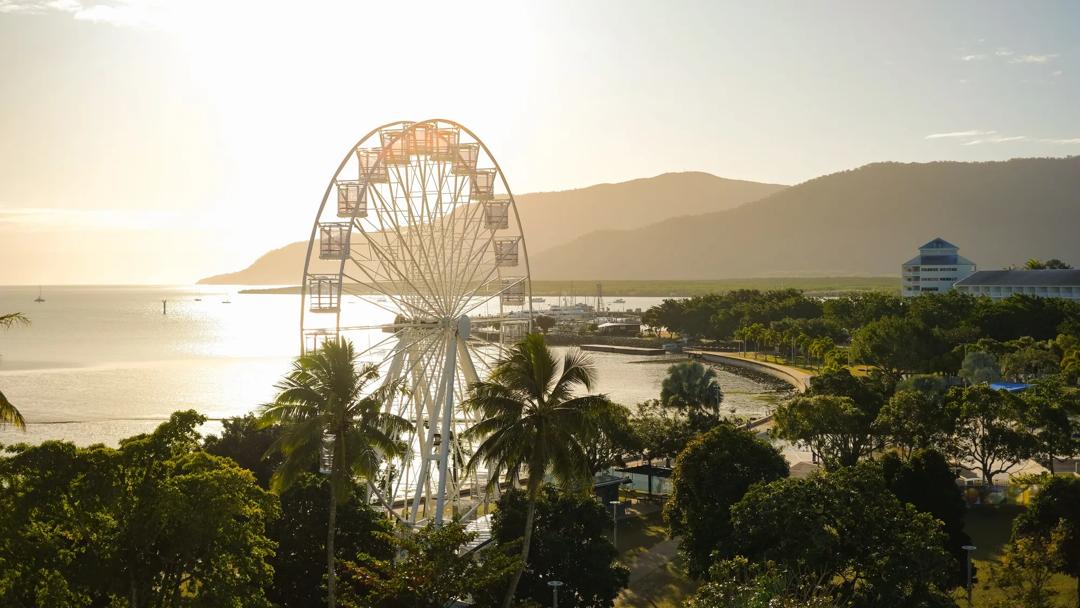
<point x="619" y="301"/>
<point x="538" y="300"/>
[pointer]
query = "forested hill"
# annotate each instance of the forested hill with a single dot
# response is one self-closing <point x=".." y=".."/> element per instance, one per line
<point x="863" y="221"/>
<point x="556" y="218"/>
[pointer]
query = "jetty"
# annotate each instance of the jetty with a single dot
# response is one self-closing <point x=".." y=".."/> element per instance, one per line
<point x="622" y="350"/>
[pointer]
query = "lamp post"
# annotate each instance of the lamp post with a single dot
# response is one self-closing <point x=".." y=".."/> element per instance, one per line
<point x="555" y="592"/>
<point x="968" y="549"/>
<point x="615" y="523"/>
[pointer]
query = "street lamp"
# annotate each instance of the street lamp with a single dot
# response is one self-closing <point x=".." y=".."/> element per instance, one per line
<point x="555" y="592"/>
<point x="968" y="549"/>
<point x="614" y="523"/>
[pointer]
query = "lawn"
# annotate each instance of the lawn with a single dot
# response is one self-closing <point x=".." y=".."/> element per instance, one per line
<point x="990" y="529"/>
<point x="655" y="582"/>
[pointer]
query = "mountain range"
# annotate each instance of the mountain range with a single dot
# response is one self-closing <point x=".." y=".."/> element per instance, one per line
<point x="551" y="219"/>
<point x="864" y="221"/>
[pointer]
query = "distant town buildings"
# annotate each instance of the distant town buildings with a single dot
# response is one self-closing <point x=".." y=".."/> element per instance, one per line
<point x="937" y="267"/>
<point x="999" y="284"/>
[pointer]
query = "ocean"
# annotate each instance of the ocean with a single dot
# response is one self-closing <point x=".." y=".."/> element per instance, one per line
<point x="98" y="364"/>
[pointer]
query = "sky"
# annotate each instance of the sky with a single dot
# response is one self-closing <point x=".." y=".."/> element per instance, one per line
<point x="147" y="141"/>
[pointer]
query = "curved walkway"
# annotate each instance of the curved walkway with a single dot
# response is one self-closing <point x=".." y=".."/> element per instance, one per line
<point x="797" y="378"/>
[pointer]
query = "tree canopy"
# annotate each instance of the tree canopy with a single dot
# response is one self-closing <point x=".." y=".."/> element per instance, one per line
<point x="711" y="474"/>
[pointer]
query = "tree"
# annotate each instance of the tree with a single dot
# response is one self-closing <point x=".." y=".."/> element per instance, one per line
<point x="1028" y="565"/>
<point x="531" y="421"/>
<point x="913" y="420"/>
<point x="660" y="432"/>
<point x="614" y="437"/>
<point x="740" y="583"/>
<point x="693" y="387"/>
<point x="571" y="543"/>
<point x="301" y="537"/>
<point x="9" y="414"/>
<point x="927" y="482"/>
<point x="154" y="523"/>
<point x="326" y="397"/>
<point x="544" y="322"/>
<point x="1058" y="502"/>
<point x="894" y="346"/>
<point x="1029" y="359"/>
<point x="845" y="527"/>
<point x="1051" y="264"/>
<point x="980" y="368"/>
<point x="711" y="474"/>
<point x="837" y="431"/>
<point x="432" y="571"/>
<point x="989" y="429"/>
<point x="248" y="443"/>
<point x="1052" y="413"/>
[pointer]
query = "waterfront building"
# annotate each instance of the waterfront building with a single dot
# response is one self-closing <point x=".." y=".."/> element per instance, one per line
<point x="999" y="284"/>
<point x="937" y="267"/>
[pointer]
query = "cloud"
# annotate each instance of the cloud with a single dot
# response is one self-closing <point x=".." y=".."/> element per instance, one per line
<point x="47" y="219"/>
<point x="954" y="134"/>
<point x="1034" y="58"/>
<point x="121" y="13"/>
<point x="996" y="139"/>
<point x="1063" y="141"/>
<point x="975" y="57"/>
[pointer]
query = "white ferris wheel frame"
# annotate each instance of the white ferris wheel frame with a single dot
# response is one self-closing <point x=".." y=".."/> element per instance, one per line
<point x="431" y="348"/>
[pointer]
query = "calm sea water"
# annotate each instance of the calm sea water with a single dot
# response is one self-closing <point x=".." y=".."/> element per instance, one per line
<point x="98" y="364"/>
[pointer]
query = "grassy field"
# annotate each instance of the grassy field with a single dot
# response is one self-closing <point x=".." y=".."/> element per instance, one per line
<point x="665" y="587"/>
<point x="990" y="529"/>
<point x="811" y="285"/>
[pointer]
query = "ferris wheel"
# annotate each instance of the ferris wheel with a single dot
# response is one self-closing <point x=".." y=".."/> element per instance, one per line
<point x="417" y="256"/>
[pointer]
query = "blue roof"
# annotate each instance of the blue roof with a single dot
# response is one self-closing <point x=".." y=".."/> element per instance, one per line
<point x="1012" y="387"/>
<point x="939" y="243"/>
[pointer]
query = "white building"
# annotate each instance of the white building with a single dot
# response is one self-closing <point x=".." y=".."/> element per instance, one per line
<point x="937" y="267"/>
<point x="999" y="284"/>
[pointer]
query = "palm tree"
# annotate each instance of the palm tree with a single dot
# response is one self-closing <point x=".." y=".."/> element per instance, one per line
<point x="531" y="421"/>
<point x="326" y="400"/>
<point x="9" y="414"/>
<point x="691" y="385"/>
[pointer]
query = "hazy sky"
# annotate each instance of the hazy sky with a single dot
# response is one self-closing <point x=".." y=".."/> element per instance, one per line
<point x="153" y="141"/>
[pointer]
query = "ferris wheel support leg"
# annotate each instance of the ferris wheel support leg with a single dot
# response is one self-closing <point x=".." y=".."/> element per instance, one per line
<point x="447" y="417"/>
<point x="425" y="437"/>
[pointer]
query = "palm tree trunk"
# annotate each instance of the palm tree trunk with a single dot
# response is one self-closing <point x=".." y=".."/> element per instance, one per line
<point x="331" y="579"/>
<point x="530" y="514"/>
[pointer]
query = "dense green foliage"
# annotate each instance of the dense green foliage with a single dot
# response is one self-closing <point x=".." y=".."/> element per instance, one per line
<point x="926" y="481"/>
<point x="711" y="474"/>
<point x="1057" y="502"/>
<point x="154" y="523"/>
<point x="836" y="418"/>
<point x="431" y="570"/>
<point x="532" y="420"/>
<point x="325" y="400"/>
<point x="894" y="335"/>
<point x="571" y="543"/>
<point x="9" y="414"/>
<point x="848" y="528"/>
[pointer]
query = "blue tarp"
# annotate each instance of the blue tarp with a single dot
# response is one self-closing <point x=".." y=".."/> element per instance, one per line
<point x="1012" y="387"/>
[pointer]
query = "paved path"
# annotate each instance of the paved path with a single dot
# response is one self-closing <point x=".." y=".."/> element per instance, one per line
<point x="796" y="377"/>
<point x="652" y="560"/>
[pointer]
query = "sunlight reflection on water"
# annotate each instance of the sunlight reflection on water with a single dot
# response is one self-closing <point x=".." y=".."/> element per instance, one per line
<point x="102" y="363"/>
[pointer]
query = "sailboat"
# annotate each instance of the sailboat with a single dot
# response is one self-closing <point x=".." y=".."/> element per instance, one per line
<point x="39" y="299"/>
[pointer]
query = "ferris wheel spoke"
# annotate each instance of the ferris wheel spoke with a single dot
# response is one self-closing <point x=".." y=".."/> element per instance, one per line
<point x="387" y="254"/>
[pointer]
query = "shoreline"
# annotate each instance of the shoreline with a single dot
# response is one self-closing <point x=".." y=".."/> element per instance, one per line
<point x="816" y="286"/>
